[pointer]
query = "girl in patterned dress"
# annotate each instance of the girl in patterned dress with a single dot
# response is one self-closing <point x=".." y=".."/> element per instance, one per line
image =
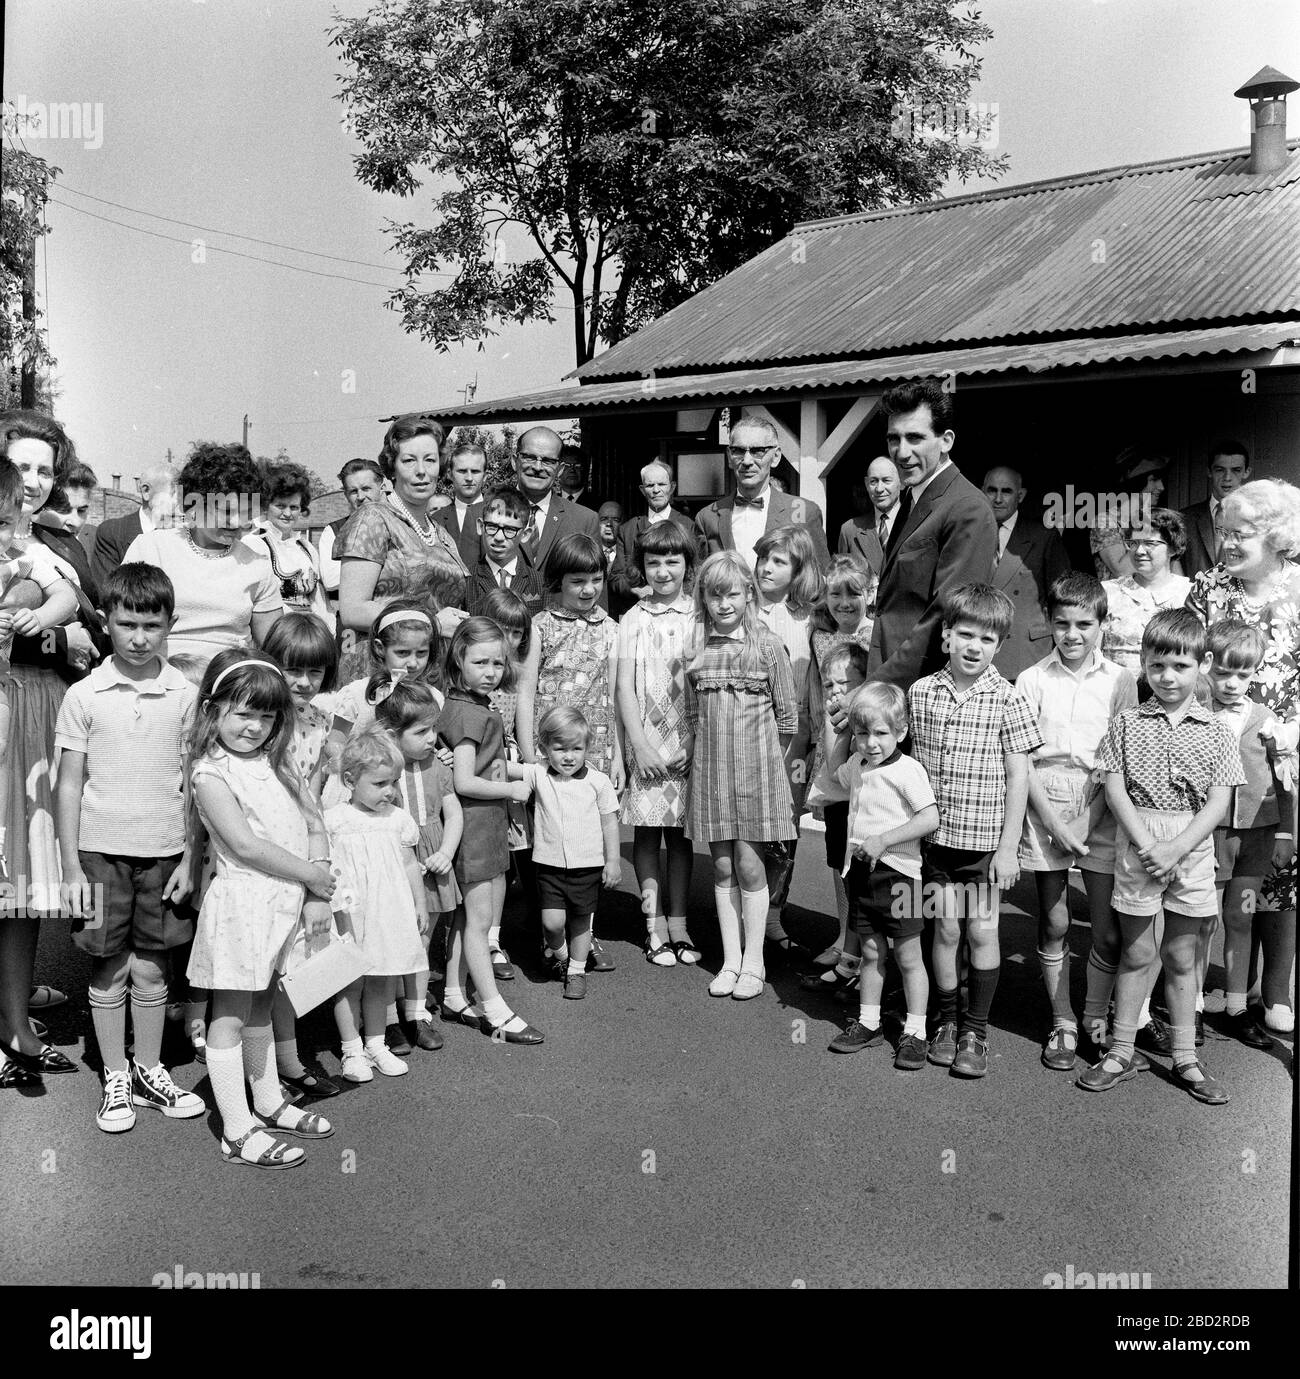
<point x="410" y="712"/>
<point x="742" y="709"/>
<point x="271" y="849"/>
<point x="789" y="587"/>
<point x="842" y="616"/>
<point x="308" y="656"/>
<point x="653" y="642"/>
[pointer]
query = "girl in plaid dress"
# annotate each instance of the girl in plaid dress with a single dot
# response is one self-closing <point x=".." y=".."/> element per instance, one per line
<point x="743" y="712"/>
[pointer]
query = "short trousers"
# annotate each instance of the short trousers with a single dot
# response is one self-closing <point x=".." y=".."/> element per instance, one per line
<point x="575" y="890"/>
<point x="130" y="912"/>
<point x="1244" y="852"/>
<point x="1067" y="789"/>
<point x="945" y="866"/>
<point x="836" y="820"/>
<point x="884" y="901"/>
<point x="1190" y="891"/>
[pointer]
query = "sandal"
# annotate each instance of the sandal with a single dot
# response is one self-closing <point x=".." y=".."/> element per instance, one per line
<point x="43" y="997"/>
<point x="280" y="1155"/>
<point x="683" y="946"/>
<point x="308" y="1126"/>
<point x="655" y="951"/>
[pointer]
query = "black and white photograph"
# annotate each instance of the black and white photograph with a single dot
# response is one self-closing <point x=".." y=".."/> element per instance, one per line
<point x="649" y="646"/>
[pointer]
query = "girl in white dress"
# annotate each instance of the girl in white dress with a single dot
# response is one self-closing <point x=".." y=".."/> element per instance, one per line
<point x="373" y="845"/>
<point x="270" y="848"/>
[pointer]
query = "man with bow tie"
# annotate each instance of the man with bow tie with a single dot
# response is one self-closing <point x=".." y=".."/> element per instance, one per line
<point x="537" y="458"/>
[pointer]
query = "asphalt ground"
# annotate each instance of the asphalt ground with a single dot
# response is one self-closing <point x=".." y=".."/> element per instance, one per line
<point x="663" y="1138"/>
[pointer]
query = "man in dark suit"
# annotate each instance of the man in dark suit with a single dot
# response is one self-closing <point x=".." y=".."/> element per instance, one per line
<point x="1229" y="466"/>
<point x="627" y="579"/>
<point x="1029" y="558"/>
<point x="465" y="466"/>
<point x="501" y="529"/>
<point x="866" y="536"/>
<point x="537" y="457"/>
<point x="738" y="521"/>
<point x="945" y="536"/>
<point x="157" y="508"/>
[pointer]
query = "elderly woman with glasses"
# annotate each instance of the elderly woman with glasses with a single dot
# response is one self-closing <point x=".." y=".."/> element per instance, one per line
<point x="1134" y="599"/>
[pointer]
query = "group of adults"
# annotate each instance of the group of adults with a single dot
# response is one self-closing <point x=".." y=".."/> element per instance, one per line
<point x="928" y="530"/>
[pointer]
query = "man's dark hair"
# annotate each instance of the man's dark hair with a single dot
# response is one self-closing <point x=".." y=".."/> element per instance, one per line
<point x="907" y="397"/>
<point x="1225" y="445"/>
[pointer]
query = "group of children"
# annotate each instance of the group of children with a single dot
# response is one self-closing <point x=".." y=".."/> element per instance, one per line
<point x="264" y="808"/>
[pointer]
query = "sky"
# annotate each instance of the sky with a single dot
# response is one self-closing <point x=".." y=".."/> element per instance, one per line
<point x="221" y="113"/>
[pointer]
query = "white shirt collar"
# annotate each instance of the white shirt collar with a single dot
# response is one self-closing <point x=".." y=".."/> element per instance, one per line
<point x="498" y="570"/>
<point x="921" y="487"/>
<point x="106" y="676"/>
<point x="461" y="508"/>
<point x="1010" y="522"/>
<point x="544" y="504"/>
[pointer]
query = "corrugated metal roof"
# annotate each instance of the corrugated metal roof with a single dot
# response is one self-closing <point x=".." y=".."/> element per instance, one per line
<point x="1194" y="240"/>
<point x="582" y="399"/>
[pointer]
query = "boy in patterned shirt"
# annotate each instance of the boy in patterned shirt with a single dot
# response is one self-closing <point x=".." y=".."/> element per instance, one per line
<point x="973" y="734"/>
<point x="1170" y="769"/>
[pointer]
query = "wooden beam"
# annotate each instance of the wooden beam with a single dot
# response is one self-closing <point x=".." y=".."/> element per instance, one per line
<point x="849" y="429"/>
<point x="786" y="438"/>
<point x="812" y="436"/>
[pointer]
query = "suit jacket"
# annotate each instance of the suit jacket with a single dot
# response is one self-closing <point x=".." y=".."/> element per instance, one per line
<point x="1034" y="558"/>
<point x="858" y="537"/>
<point x="714" y="522"/>
<point x="1201" y="540"/>
<point x="627" y="573"/>
<point x="112" y="537"/>
<point x="945" y="538"/>
<point x="467" y="538"/>
<point x="526" y="582"/>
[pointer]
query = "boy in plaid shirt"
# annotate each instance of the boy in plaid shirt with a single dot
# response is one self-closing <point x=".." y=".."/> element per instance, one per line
<point x="1170" y="769"/>
<point x="973" y="734"/>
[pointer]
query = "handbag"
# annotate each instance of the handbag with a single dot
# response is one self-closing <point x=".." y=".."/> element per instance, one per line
<point x="324" y="973"/>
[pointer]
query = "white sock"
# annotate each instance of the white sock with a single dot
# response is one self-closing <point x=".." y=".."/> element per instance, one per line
<point x="226" y="1074"/>
<point x="453" y="997"/>
<point x="1144" y="1015"/>
<point x="259" y="1068"/>
<point x="754" y="913"/>
<point x="558" y="955"/>
<point x="286" y="1058"/>
<point x="848" y="965"/>
<point x="869" y="1016"/>
<point x="915" y="1024"/>
<point x="415" y="1010"/>
<point x="677" y="929"/>
<point x="494" y="936"/>
<point x="1235" y="1003"/>
<point x="500" y="1016"/>
<point x="350" y="1046"/>
<point x="656" y="930"/>
<point x="726" y="900"/>
<point x="375" y="1042"/>
<point x="576" y="966"/>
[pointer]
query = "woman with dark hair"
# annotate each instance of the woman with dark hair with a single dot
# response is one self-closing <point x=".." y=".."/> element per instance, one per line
<point x="40" y="451"/>
<point x="226" y="594"/>
<point x="286" y="498"/>
<point x="1134" y="599"/>
<point x="391" y="545"/>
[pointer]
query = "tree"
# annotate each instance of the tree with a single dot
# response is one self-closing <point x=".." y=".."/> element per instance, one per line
<point x="24" y="188"/>
<point x="643" y="148"/>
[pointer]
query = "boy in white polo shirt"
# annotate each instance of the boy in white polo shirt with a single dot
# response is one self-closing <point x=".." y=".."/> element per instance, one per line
<point x="575" y="841"/>
<point x="120" y="817"/>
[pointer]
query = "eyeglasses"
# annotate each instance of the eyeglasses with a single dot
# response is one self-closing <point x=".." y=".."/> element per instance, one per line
<point x="548" y="461"/>
<point x="740" y="451"/>
<point x="1239" y="535"/>
<point x="1144" y="545"/>
<point x="500" y="529"/>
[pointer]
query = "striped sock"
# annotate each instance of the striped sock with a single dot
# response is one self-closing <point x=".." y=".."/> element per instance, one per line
<point x="1101" y="986"/>
<point x="1056" y="978"/>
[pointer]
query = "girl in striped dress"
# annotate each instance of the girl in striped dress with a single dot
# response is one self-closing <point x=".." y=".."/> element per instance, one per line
<point x="742" y="710"/>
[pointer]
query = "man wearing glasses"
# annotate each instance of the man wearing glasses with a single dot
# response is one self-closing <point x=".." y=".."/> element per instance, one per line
<point x="1029" y="558"/>
<point x="738" y="521"/>
<point x="537" y="458"/>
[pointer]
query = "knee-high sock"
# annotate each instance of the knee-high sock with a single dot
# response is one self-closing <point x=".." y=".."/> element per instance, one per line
<point x="753" y="911"/>
<point x="226" y="1074"/>
<point x="259" y="1068"/>
<point x="108" y="1015"/>
<point x="980" y="986"/>
<point x="726" y="899"/>
<point x="1056" y="978"/>
<point x="148" y="1017"/>
<point x="1101" y="987"/>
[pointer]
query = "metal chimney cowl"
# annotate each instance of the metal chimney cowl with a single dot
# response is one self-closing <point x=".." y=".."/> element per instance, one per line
<point x="1267" y="91"/>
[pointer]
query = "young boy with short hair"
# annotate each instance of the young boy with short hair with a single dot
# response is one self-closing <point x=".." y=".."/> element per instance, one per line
<point x="1256" y="834"/>
<point x="1074" y="694"/>
<point x="120" y="818"/>
<point x="1170" y="768"/>
<point x="973" y="734"/>
<point x="504" y="564"/>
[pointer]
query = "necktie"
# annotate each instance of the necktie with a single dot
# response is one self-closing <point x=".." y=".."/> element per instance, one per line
<point x="1216" y="516"/>
<point x="1004" y="535"/>
<point x="882" y="530"/>
<point x="503" y="579"/>
<point x="535" y="529"/>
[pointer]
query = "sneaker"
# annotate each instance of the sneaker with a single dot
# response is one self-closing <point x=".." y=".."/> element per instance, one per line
<point x="598" y="960"/>
<point x="1153" y="1037"/>
<point x="396" y="1040"/>
<point x="1058" y="1053"/>
<point x="115" y="1111"/>
<point x="910" y="1054"/>
<point x="575" y="986"/>
<point x="1246" y="1028"/>
<point x="943" y="1047"/>
<point x="356" y="1068"/>
<point x="154" y="1087"/>
<point x="854" y="1037"/>
<point x="972" y="1057"/>
<point x="385" y="1060"/>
